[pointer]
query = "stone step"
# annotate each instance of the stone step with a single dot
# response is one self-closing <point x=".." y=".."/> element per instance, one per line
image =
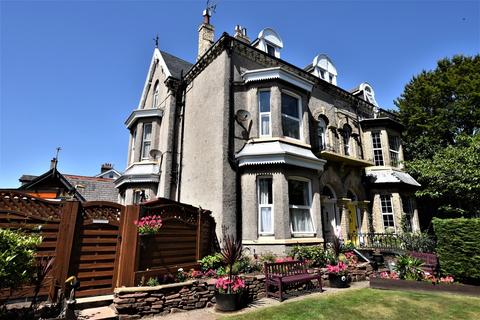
<point x="93" y="302"/>
<point x="99" y="313"/>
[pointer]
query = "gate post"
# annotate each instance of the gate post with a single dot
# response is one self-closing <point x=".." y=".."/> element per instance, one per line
<point x="66" y="233"/>
<point x="127" y="262"/>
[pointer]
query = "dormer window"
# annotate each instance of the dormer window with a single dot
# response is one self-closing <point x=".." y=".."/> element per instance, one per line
<point x="323" y="67"/>
<point x="269" y="41"/>
<point x="270" y="50"/>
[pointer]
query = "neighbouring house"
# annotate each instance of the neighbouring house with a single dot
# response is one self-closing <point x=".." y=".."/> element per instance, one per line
<point x="280" y="154"/>
<point x="55" y="185"/>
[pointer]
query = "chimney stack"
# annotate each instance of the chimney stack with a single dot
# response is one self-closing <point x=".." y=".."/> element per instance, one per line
<point x="105" y="167"/>
<point x="241" y="34"/>
<point x="205" y="34"/>
<point x="53" y="163"/>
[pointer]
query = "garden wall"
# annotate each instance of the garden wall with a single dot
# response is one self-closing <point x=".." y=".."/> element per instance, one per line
<point x="458" y="248"/>
<point x="136" y="302"/>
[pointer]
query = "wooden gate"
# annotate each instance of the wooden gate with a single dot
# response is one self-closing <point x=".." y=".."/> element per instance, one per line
<point x="96" y="247"/>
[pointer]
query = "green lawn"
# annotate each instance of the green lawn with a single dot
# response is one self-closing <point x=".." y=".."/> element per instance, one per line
<point x="372" y="304"/>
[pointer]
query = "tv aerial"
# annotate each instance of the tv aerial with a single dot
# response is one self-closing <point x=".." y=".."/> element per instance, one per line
<point x="242" y="116"/>
<point x="211" y="6"/>
<point x="155" y="154"/>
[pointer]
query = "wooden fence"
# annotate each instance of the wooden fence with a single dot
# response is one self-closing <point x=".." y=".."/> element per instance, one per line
<point x="98" y="241"/>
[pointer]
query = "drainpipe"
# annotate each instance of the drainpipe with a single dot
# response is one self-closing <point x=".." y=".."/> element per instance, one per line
<point x="231" y="142"/>
<point x="181" y="116"/>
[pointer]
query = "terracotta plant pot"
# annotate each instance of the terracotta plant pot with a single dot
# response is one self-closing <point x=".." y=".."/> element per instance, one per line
<point x="339" y="281"/>
<point x="228" y="301"/>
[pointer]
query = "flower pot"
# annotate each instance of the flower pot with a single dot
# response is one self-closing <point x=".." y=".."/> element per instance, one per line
<point x="228" y="301"/>
<point x="339" y="281"/>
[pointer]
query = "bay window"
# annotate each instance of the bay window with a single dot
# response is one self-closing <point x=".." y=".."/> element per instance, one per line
<point x="299" y="198"/>
<point x="264" y="113"/>
<point x="265" y="205"/>
<point x="146" y="140"/>
<point x="377" y="148"/>
<point x="291" y="116"/>
<point x="132" y="150"/>
<point x="387" y="211"/>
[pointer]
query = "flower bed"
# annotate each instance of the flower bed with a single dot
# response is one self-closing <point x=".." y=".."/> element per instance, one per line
<point x="397" y="284"/>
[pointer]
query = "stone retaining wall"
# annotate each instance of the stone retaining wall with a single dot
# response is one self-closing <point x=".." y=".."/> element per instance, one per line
<point x="136" y="302"/>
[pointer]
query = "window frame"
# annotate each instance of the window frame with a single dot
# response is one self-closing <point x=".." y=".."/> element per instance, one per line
<point x="300" y="113"/>
<point x="408" y="214"/>
<point x="395" y="153"/>
<point x="309" y="207"/>
<point x="132" y="147"/>
<point x="322" y="137"/>
<point x="260" y="206"/>
<point x="378" y="148"/>
<point x="346" y="139"/>
<point x="392" y="213"/>
<point x="260" y="114"/>
<point x="156" y="95"/>
<point x="144" y="141"/>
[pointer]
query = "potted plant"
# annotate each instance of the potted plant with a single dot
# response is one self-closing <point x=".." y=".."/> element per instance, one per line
<point x="229" y="291"/>
<point x="337" y="269"/>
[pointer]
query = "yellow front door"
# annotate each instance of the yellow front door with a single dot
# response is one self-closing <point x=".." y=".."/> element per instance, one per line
<point x="352" y="223"/>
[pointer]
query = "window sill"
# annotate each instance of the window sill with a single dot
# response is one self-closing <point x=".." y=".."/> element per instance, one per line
<point x="303" y="235"/>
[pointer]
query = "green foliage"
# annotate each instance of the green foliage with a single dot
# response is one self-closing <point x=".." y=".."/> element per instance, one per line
<point x="245" y="265"/>
<point x="452" y="177"/>
<point x="152" y="282"/>
<point x="315" y="254"/>
<point x="420" y="242"/>
<point x="437" y="106"/>
<point x="268" y="257"/>
<point x="17" y="251"/>
<point x="409" y="268"/>
<point x="213" y="262"/>
<point x="458" y="248"/>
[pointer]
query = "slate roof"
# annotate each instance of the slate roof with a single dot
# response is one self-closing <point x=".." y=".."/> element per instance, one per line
<point x="93" y="188"/>
<point x="175" y="64"/>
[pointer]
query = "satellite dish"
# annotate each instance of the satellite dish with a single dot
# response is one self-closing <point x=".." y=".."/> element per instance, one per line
<point x="243" y="115"/>
<point x="155" y="154"/>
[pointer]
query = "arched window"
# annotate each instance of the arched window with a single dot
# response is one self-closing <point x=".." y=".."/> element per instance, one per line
<point x="346" y="134"/>
<point x="328" y="192"/>
<point x="322" y="133"/>
<point x="156" y="95"/>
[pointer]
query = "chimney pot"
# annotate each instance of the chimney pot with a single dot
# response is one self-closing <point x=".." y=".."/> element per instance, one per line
<point x="105" y="167"/>
<point x="53" y="163"/>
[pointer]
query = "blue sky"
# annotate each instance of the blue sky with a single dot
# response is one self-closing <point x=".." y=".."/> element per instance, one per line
<point x="72" y="71"/>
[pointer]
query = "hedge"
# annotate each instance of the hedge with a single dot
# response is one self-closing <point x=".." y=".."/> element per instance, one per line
<point x="458" y="248"/>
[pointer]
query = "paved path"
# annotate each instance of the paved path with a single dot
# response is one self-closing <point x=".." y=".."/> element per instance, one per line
<point x="211" y="314"/>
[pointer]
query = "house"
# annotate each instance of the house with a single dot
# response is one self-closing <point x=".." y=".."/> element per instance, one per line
<point x="280" y="154"/>
<point x="55" y="185"/>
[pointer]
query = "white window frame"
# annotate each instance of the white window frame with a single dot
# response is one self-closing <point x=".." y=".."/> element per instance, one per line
<point x="260" y="206"/>
<point x="378" y="148"/>
<point x="260" y="114"/>
<point x="309" y="207"/>
<point x="132" y="149"/>
<point x="389" y="195"/>
<point x="137" y="194"/>
<point x="300" y="113"/>
<point x="155" y="95"/>
<point x="144" y="141"/>
<point x="395" y="153"/>
<point x="322" y="136"/>
<point x="407" y="201"/>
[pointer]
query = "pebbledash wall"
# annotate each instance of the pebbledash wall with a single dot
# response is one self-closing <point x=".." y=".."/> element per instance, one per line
<point x="137" y="302"/>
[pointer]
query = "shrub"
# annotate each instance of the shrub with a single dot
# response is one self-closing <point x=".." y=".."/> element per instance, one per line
<point x="17" y="259"/>
<point x="213" y="261"/>
<point x="420" y="242"/>
<point x="152" y="282"/>
<point x="315" y="254"/>
<point x="458" y="248"/>
<point x="268" y="257"/>
<point x="409" y="268"/>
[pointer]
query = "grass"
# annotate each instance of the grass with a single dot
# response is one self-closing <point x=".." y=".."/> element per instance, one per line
<point x="372" y="304"/>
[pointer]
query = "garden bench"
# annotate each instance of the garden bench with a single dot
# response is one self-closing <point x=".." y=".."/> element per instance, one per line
<point x="430" y="261"/>
<point x="281" y="274"/>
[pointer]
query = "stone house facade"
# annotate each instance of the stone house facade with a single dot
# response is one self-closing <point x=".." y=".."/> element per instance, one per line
<point x="280" y="154"/>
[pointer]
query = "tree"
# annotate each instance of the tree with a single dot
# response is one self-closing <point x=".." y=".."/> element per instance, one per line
<point x="451" y="178"/>
<point x="437" y="106"/>
<point x="17" y="259"/>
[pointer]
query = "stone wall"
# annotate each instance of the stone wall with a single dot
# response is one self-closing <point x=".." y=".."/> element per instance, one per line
<point x="137" y="302"/>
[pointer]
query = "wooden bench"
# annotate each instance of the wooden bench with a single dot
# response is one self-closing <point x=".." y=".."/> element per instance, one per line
<point x="282" y="274"/>
<point x="430" y="261"/>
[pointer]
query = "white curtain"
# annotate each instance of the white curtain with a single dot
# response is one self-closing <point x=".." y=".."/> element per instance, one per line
<point x="265" y="201"/>
<point x="265" y="130"/>
<point x="266" y="220"/>
<point x="301" y="220"/>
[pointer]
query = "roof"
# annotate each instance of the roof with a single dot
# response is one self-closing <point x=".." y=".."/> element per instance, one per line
<point x="392" y="176"/>
<point x="94" y="188"/>
<point x="176" y="65"/>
